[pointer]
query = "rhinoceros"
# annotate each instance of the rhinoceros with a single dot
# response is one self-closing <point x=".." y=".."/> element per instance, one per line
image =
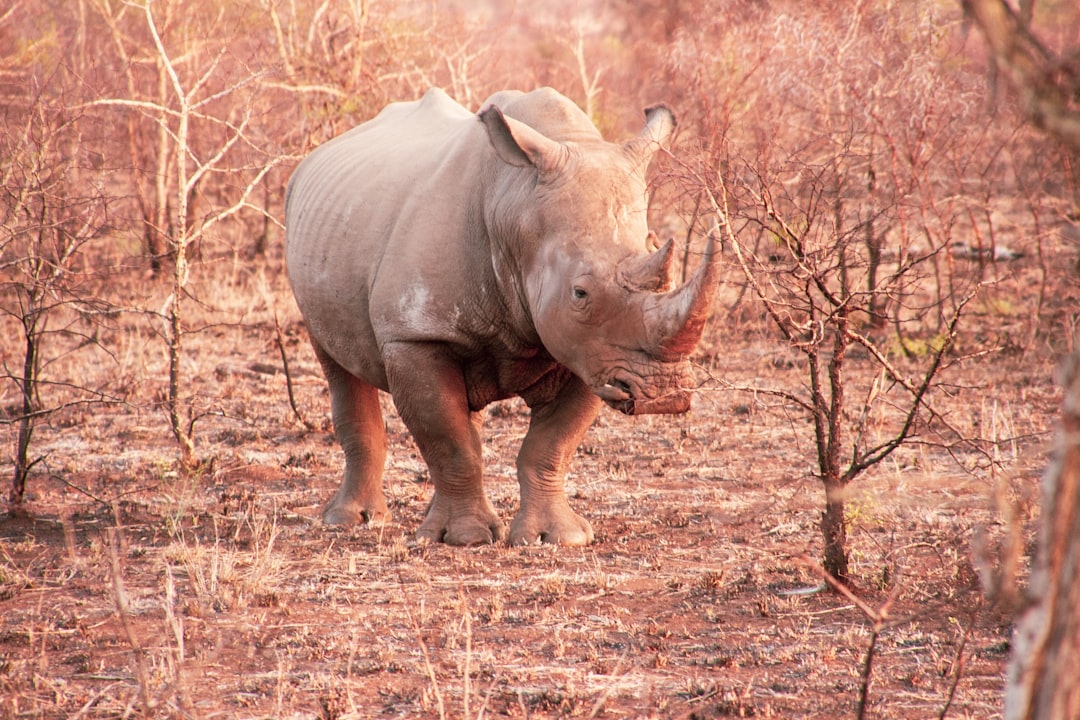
<point x="455" y="259"/>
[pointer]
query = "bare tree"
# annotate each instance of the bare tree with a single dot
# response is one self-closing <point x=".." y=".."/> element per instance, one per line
<point x="813" y="299"/>
<point x="51" y="207"/>
<point x="841" y="204"/>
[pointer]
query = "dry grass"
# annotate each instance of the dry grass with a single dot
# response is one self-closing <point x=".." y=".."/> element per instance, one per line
<point x="131" y="589"/>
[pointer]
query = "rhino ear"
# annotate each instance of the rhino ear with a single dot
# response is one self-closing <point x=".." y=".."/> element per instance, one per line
<point x="659" y="125"/>
<point x="518" y="144"/>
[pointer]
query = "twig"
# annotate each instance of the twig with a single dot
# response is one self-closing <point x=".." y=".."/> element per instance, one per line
<point x="288" y="375"/>
<point x="598" y="706"/>
<point x="89" y="704"/>
<point x="423" y="650"/>
<point x="720" y="207"/>
<point x="958" y="664"/>
<point x="918" y="392"/>
<point x="468" y="649"/>
<point x="521" y="704"/>
<point x="702" y="698"/>
<point x="487" y="696"/>
<point x="880" y="618"/>
<point x="868" y="666"/>
<point x="783" y="394"/>
<point x="176" y="625"/>
<point x="122" y="613"/>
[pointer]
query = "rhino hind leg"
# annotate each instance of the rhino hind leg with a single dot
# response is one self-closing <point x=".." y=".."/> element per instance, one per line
<point x="361" y="432"/>
<point x="429" y="392"/>
<point x="555" y="431"/>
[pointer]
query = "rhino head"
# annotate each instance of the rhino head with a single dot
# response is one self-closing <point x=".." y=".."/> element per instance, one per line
<point x="602" y="304"/>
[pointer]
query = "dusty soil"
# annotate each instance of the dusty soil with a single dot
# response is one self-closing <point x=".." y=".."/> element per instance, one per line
<point x="128" y="588"/>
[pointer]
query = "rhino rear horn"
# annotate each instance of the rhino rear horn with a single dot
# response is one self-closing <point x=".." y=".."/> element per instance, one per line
<point x="651" y="271"/>
<point x="520" y="145"/>
<point x="675" y="320"/>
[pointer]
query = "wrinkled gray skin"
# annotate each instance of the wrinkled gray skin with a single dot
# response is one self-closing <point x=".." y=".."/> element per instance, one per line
<point x="454" y="259"/>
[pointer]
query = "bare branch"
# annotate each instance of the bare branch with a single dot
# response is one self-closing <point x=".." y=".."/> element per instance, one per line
<point x="242" y="202"/>
<point x="178" y="89"/>
<point x="721" y="209"/>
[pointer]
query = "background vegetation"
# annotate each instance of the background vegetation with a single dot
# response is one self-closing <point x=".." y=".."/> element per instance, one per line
<point x="876" y="186"/>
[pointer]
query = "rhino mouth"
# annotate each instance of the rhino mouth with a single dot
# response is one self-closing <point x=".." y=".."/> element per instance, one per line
<point x="622" y="395"/>
<point x="618" y="394"/>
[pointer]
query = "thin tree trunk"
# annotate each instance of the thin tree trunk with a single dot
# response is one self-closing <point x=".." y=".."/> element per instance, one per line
<point x="834" y="531"/>
<point x="176" y="334"/>
<point x="180" y="277"/>
<point x="833" y="522"/>
<point x="26" y="422"/>
<point x="875" y="305"/>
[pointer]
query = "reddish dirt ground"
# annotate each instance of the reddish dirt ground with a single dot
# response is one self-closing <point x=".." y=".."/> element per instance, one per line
<point x="129" y="589"/>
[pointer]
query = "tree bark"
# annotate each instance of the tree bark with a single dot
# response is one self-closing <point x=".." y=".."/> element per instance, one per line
<point x="833" y="523"/>
<point x="26" y="422"/>
<point x="1043" y="675"/>
<point x="834" y="532"/>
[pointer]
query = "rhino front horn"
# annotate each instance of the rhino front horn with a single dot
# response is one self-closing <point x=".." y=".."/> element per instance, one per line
<point x="675" y="320"/>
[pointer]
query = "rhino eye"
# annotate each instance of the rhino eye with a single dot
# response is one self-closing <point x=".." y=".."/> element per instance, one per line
<point x="579" y="293"/>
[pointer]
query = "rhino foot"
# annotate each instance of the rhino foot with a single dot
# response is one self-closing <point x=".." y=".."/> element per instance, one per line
<point x="338" y="512"/>
<point x="556" y="525"/>
<point x="462" y="523"/>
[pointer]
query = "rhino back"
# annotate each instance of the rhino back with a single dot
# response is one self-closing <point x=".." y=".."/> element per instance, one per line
<point x="382" y="230"/>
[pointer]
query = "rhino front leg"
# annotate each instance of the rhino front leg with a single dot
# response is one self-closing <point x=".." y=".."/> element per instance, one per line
<point x="429" y="391"/>
<point x="555" y="431"/>
<point x="359" y="427"/>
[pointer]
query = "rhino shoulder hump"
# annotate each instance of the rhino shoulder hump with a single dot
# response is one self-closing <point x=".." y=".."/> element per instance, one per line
<point x="553" y="114"/>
